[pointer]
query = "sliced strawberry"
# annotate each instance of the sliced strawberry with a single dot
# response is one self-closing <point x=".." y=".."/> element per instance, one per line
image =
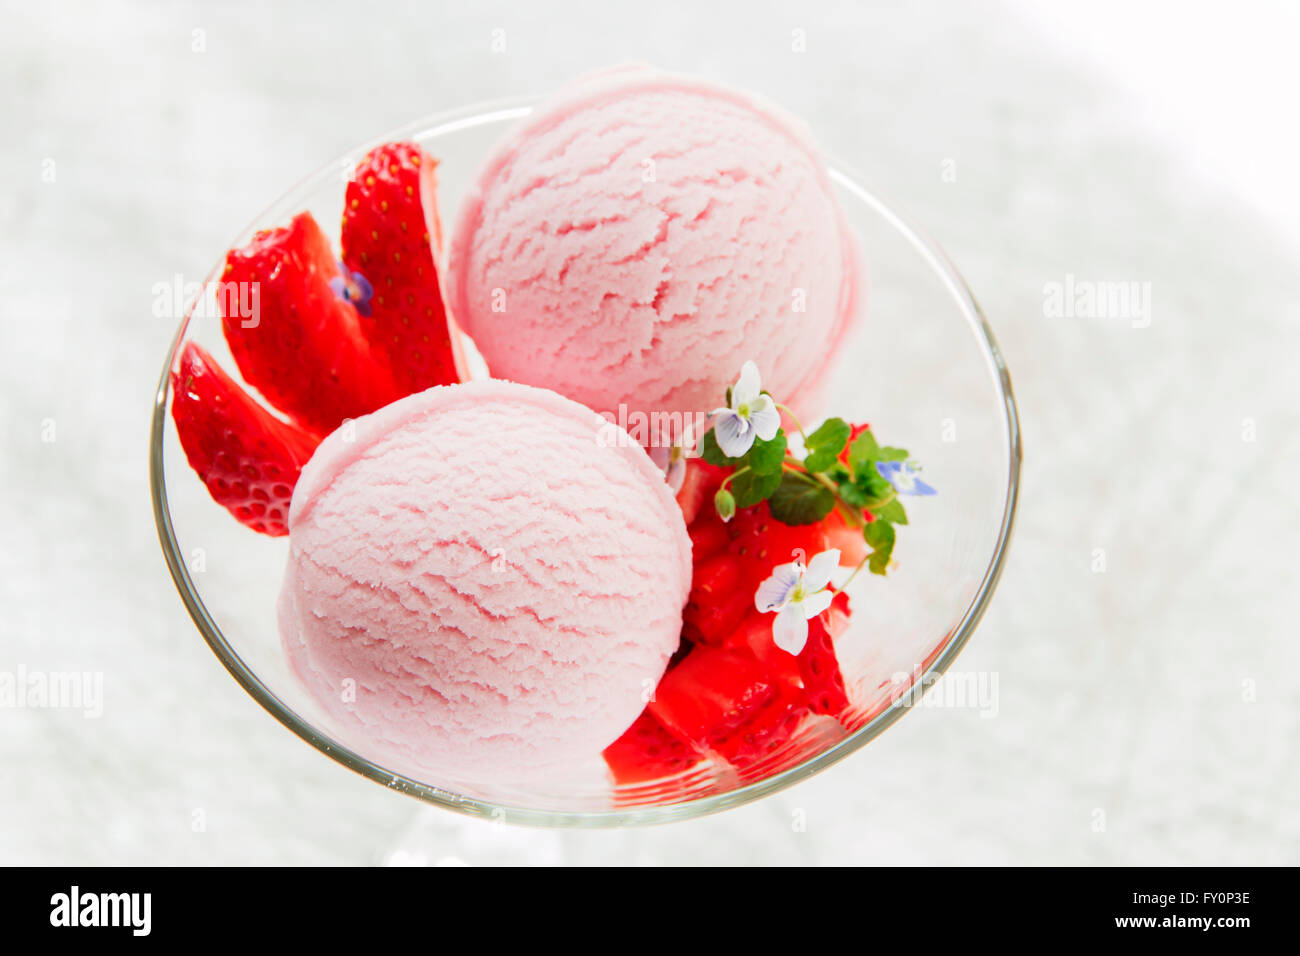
<point x="391" y="236"/>
<point x="301" y="348"/>
<point x="699" y="485"/>
<point x="767" y="729"/>
<point x="708" y="538"/>
<point x="819" y="668"/>
<point x="718" y="601"/>
<point x="711" y="620"/>
<point x="761" y="542"/>
<point x="754" y="635"/>
<point x="648" y="751"/>
<point x="248" y="459"/>
<point x="848" y="538"/>
<point x="711" y="692"/>
<point x="722" y="592"/>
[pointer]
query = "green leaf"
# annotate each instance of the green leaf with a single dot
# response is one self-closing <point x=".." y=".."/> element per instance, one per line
<point x="832" y="434"/>
<point x="863" y="451"/>
<point x="799" y="501"/>
<point x="750" y="487"/>
<point x="713" y="454"/>
<point x="724" y="502"/>
<point x="821" y="459"/>
<point x="889" y="453"/>
<point x="867" y="490"/>
<point x="838" y="472"/>
<point x="880" y="535"/>
<point x="892" y="511"/>
<point x="853" y="495"/>
<point x="766" y="457"/>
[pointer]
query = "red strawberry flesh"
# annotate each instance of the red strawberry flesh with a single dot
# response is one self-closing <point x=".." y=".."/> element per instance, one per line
<point x="302" y="349"/>
<point x="392" y="235"/>
<point x="248" y="459"/>
<point x="648" y="751"/>
<point x="711" y="692"/>
<point x="819" y="668"/>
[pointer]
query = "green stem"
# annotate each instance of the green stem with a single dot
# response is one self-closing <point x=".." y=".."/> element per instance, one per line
<point x="796" y="467"/>
<point x="880" y="504"/>
<point x="793" y="418"/>
<point x="739" y="471"/>
<point x="849" y="580"/>
<point x="850" y="518"/>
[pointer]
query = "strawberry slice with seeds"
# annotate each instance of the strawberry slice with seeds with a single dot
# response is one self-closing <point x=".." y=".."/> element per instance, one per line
<point x="765" y="731"/>
<point x="710" y="693"/>
<point x="708" y="539"/>
<point x="391" y="237"/>
<point x="754" y="636"/>
<point x="761" y="542"/>
<point x="819" y="668"/>
<point x="718" y="600"/>
<point x="648" y="751"/>
<point x="248" y="459"/>
<point x="302" y="347"/>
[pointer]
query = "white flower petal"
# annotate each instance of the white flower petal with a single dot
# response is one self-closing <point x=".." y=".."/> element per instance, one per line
<point x="734" y="435"/>
<point x="764" y="418"/>
<point x="820" y="569"/>
<point x="790" y="630"/>
<point x="774" y="593"/>
<point x="676" y="474"/>
<point x="814" y="604"/>
<point x="747" y="387"/>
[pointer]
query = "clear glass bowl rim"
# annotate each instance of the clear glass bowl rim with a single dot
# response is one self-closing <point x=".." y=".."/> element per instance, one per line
<point x="478" y="114"/>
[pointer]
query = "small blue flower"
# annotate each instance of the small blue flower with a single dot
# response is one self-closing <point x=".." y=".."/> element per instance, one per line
<point x="749" y="414"/>
<point x="353" y="287"/>
<point x="904" y="477"/>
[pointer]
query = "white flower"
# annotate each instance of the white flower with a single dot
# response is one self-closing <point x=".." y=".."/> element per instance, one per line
<point x="751" y="414"/>
<point x="797" y="594"/>
<point x="672" y="460"/>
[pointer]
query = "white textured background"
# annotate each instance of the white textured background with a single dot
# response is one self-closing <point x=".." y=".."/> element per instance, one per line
<point x="1115" y="142"/>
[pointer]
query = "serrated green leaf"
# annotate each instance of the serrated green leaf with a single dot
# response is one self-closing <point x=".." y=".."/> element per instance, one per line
<point x="832" y="434"/>
<point x="798" y="501"/>
<point x="713" y="454"/>
<point x="749" y="487"/>
<point x="766" y="457"/>
<point x="863" y="451"/>
<point x="889" y="453"/>
<point x="892" y="511"/>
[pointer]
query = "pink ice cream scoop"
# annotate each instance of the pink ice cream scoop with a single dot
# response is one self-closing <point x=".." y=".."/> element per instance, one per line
<point x="642" y="235"/>
<point x="482" y="582"/>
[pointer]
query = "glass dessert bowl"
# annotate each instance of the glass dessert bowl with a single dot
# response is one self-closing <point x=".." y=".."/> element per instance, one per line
<point x="924" y="369"/>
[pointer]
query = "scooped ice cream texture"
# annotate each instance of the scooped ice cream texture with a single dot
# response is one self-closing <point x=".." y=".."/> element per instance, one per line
<point x="641" y="236"/>
<point x="500" y="582"/>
